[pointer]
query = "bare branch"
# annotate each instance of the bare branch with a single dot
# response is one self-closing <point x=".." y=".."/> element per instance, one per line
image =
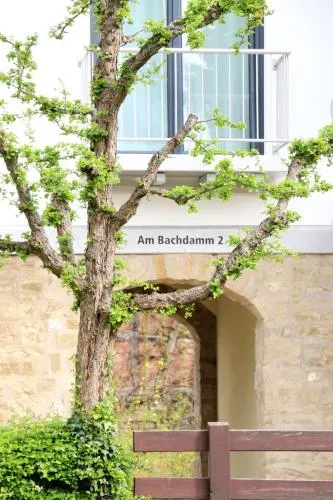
<point x="129" y="208"/>
<point x="64" y="229"/>
<point x="252" y="240"/>
<point x="178" y="298"/>
<point x="130" y="38"/>
<point x="76" y="10"/>
<point x="39" y="240"/>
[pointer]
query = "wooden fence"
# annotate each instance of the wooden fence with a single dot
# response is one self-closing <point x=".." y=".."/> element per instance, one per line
<point x="219" y="441"/>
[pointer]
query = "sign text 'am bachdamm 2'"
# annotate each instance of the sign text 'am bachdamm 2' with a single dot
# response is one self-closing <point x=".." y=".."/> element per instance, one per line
<point x="175" y="240"/>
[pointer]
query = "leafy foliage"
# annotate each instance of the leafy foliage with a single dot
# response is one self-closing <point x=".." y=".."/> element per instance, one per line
<point x="65" y="459"/>
<point x="76" y="8"/>
<point x="122" y="309"/>
<point x="196" y="11"/>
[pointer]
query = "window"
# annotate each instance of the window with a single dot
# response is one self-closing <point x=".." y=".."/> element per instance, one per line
<point x="194" y="82"/>
<point x="145" y="113"/>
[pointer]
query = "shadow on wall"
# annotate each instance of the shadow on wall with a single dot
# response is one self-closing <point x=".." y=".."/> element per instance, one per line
<point x="237" y="398"/>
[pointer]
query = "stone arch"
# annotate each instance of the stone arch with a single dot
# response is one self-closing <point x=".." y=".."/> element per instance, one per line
<point x="227" y="362"/>
<point x="238" y="295"/>
<point x="226" y="331"/>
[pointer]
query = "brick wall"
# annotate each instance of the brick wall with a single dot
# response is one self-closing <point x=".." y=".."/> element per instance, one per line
<point x="156" y="364"/>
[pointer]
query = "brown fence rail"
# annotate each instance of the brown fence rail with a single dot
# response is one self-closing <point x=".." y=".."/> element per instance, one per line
<point x="219" y="441"/>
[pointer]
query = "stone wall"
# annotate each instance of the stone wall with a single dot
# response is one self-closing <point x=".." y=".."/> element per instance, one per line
<point x="38" y="333"/>
<point x="294" y="367"/>
<point x="291" y="304"/>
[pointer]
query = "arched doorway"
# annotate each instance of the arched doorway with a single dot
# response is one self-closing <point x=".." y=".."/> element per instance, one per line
<point x="212" y="364"/>
<point x="175" y="352"/>
<point x="169" y="365"/>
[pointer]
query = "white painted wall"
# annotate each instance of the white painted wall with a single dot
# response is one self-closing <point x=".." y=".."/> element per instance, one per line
<point x="303" y="26"/>
<point x="56" y="59"/>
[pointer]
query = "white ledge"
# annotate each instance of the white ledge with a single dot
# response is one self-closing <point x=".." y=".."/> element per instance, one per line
<point x="184" y="163"/>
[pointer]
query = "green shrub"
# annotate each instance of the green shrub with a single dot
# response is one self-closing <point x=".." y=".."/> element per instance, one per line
<point x="153" y="415"/>
<point x="59" y="459"/>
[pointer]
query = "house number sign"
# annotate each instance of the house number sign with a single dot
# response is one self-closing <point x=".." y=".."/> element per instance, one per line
<point x="165" y="239"/>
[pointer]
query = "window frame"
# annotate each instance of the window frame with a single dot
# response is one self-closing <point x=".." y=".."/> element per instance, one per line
<point x="175" y="94"/>
<point x="257" y="80"/>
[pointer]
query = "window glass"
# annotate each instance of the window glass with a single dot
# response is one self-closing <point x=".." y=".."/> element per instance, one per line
<point x="144" y="113"/>
<point x="218" y="81"/>
<point x="190" y="83"/>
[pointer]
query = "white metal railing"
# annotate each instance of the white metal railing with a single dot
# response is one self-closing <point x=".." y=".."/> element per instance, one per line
<point x="281" y="90"/>
<point x="198" y="81"/>
<point x="86" y="64"/>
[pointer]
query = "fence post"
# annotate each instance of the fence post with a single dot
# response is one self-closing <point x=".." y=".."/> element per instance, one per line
<point x="219" y="460"/>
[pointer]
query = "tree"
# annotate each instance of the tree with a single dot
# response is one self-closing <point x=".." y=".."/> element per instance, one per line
<point x="87" y="169"/>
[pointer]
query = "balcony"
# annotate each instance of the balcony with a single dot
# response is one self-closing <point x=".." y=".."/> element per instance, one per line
<point x="252" y="87"/>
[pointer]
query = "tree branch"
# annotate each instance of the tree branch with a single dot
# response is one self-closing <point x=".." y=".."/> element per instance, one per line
<point x="264" y="230"/>
<point x="78" y="9"/>
<point x="64" y="229"/>
<point x="129" y="208"/>
<point x="252" y="240"/>
<point x="157" y="42"/>
<point x="39" y="241"/>
<point x="12" y="247"/>
<point x="130" y="38"/>
<point x="183" y="199"/>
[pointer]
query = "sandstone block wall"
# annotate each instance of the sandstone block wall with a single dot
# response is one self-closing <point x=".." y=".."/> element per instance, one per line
<point x="292" y="305"/>
<point x="38" y="333"/>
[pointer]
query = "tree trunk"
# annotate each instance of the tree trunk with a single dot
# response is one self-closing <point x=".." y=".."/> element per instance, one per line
<point x="95" y="336"/>
<point x="95" y="341"/>
<point x="95" y="344"/>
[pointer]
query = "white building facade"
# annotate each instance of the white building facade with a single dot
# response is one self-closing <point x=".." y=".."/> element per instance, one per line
<point x="273" y="340"/>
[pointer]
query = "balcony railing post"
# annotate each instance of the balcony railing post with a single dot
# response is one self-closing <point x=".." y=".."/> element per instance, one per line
<point x="219" y="461"/>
